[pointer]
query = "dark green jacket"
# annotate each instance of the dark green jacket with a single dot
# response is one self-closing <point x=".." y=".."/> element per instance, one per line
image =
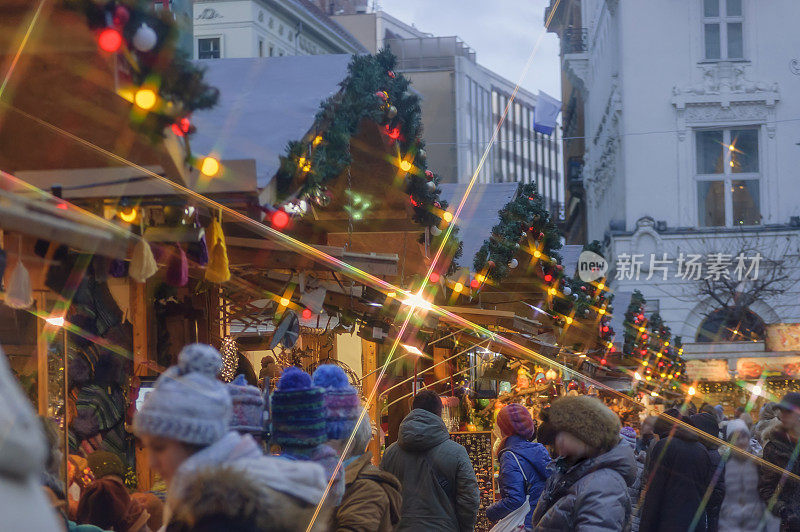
<point x="427" y="505"/>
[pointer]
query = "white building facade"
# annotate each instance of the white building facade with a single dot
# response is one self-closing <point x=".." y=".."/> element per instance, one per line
<point x="266" y="28"/>
<point x="691" y="123"/>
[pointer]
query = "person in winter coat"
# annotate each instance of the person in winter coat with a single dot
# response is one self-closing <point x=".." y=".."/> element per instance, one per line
<point x="780" y="492"/>
<point x="440" y="491"/>
<point x="679" y="470"/>
<point x="219" y="499"/>
<point x="742" y="509"/>
<point x="588" y="490"/>
<point x="299" y="427"/>
<point x="106" y="503"/>
<point x="520" y="459"/>
<point x="371" y="501"/>
<point x="628" y="435"/>
<point x="766" y="415"/>
<point x="185" y="425"/>
<point x="709" y="424"/>
<point x="647" y="434"/>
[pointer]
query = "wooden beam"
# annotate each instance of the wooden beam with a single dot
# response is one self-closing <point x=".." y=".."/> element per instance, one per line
<point x="139" y="317"/>
<point x="369" y="363"/>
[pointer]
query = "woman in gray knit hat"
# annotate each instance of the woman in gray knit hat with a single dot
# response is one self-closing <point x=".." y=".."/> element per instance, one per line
<point x="185" y="424"/>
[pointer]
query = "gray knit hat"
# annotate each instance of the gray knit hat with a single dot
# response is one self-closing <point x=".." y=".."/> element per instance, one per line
<point x="188" y="403"/>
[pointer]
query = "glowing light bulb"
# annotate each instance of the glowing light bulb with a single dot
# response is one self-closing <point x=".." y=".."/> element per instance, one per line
<point x="285" y="302"/>
<point x="391" y="294"/>
<point x="279" y="219"/>
<point x="568" y="320"/>
<point x="757" y="390"/>
<point x="654" y="394"/>
<point x="731" y="147"/>
<point x="601" y="286"/>
<point x="405" y="166"/>
<point x="128" y="215"/>
<point x="447" y="216"/>
<point x="458" y="288"/>
<point x="644" y="363"/>
<point x="552" y="291"/>
<point x="548" y="278"/>
<point x="537" y="253"/>
<point x="307" y="313"/>
<point x="649" y="378"/>
<point x="641" y="329"/>
<point x="56" y="321"/>
<point x="145" y="99"/>
<point x="691" y="390"/>
<point x="601" y="311"/>
<point x="666" y="344"/>
<point x="474" y="283"/>
<point x="480" y="278"/>
<point x="434" y="277"/>
<point x="209" y="166"/>
<point x="317" y="140"/>
<point x="637" y="376"/>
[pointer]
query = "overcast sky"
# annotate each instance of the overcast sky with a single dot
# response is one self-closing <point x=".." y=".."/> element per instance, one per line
<point x="502" y="33"/>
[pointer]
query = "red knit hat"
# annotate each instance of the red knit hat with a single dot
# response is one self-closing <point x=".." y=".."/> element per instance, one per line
<point x="515" y="419"/>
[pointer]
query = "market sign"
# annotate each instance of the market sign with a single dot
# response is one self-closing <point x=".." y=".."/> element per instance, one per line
<point x="708" y="370"/>
<point x="783" y="337"/>
<point x="754" y="368"/>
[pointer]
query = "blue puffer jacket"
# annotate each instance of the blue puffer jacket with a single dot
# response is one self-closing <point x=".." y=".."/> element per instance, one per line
<point x="533" y="458"/>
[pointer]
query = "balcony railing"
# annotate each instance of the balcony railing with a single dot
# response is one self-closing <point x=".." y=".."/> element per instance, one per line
<point x="574" y="41"/>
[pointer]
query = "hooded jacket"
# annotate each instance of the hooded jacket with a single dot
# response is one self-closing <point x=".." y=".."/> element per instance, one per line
<point x="302" y="480"/>
<point x="679" y="471"/>
<point x="426" y="504"/>
<point x="534" y="458"/>
<point x="778" y="450"/>
<point x="371" y="501"/>
<point x="742" y="509"/>
<point x="591" y="495"/>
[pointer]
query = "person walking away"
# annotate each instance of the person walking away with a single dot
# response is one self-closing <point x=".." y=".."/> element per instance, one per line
<point x="766" y="415"/>
<point x="628" y="435"/>
<point x="780" y="492"/>
<point x="708" y="423"/>
<point x="742" y="509"/>
<point x="588" y="490"/>
<point x="298" y="422"/>
<point x="371" y="500"/>
<point x="523" y="464"/>
<point x="440" y="491"/>
<point x="185" y="424"/>
<point x="105" y="503"/>
<point x="646" y="434"/>
<point x="679" y="470"/>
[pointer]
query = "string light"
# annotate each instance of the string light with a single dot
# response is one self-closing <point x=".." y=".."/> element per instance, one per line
<point x="434" y="277"/>
<point x="284" y="302"/>
<point x="109" y="40"/>
<point x="601" y="311"/>
<point x="145" y="99"/>
<point x="474" y="283"/>
<point x="127" y="215"/>
<point x="601" y="286"/>
<point x="537" y="253"/>
<point x="691" y="390"/>
<point x="317" y="140"/>
<point x="279" y="219"/>
<point x="552" y="291"/>
<point x="209" y="166"/>
<point x="568" y="319"/>
<point x="447" y="216"/>
<point x="56" y="321"/>
<point x="405" y="165"/>
<point x="230" y="358"/>
<point x="307" y="313"/>
<point x="458" y="288"/>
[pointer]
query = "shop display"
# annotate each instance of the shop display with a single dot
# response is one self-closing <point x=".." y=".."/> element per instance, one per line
<point x="479" y="450"/>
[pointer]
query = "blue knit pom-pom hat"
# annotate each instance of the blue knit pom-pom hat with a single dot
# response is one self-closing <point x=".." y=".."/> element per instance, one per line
<point x="188" y="402"/>
<point x="249" y="414"/>
<point x="298" y="411"/>
<point x="342" y="404"/>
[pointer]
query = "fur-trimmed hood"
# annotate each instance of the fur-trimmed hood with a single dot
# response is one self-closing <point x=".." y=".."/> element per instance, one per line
<point x="223" y="496"/>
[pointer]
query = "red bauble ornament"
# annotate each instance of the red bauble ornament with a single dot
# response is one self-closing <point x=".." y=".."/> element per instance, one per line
<point x="393" y="132"/>
<point x="490" y="264"/>
<point x="382" y="95"/>
<point x="121" y="16"/>
<point x="541" y="235"/>
<point x="559" y="267"/>
<point x="391" y="74"/>
<point x="109" y="40"/>
<point x="429" y="175"/>
<point x="437" y="204"/>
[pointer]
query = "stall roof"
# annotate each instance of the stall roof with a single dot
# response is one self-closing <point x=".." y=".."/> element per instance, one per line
<point x="264" y="104"/>
<point x="480" y="213"/>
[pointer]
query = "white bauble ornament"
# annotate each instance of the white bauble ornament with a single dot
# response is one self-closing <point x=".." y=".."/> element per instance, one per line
<point x="575" y="297"/>
<point x="567" y="291"/>
<point x="145" y="38"/>
<point x="431" y="185"/>
<point x="435" y="231"/>
<point x="513" y="264"/>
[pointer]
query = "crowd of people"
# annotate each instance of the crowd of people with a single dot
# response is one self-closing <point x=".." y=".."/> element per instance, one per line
<point x="576" y="468"/>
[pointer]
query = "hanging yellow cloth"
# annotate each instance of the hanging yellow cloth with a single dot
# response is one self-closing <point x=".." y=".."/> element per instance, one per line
<point x="217" y="270"/>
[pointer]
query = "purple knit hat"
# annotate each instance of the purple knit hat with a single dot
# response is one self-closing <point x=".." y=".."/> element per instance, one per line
<point x="248" y="407"/>
<point x="342" y="404"/>
<point x="629" y="435"/>
<point x="515" y="419"/>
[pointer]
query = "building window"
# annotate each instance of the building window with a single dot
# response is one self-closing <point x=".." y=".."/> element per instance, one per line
<point x="208" y="48"/>
<point x="722" y="29"/>
<point x="731" y="325"/>
<point x="728" y="177"/>
<point x="271" y="50"/>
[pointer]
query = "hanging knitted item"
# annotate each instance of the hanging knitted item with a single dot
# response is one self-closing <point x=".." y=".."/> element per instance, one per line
<point x="143" y="264"/>
<point x="19" y="294"/>
<point x="177" y="268"/>
<point x="217" y="270"/>
<point x="198" y="251"/>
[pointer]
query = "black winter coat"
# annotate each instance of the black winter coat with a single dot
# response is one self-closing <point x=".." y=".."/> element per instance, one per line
<point x="680" y="470"/>
<point x="780" y="450"/>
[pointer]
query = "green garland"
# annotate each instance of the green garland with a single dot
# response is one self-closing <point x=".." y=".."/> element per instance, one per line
<point x="168" y="70"/>
<point x="316" y="164"/>
<point x="526" y="213"/>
